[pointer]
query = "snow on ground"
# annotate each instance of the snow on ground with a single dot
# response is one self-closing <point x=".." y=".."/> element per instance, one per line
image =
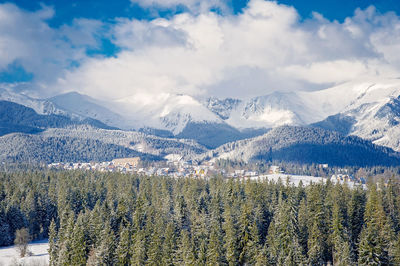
<point x="307" y="180"/>
<point x="293" y="179"/>
<point x="39" y="255"/>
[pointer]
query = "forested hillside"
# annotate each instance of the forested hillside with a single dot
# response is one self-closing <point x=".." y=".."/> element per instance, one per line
<point x="116" y="219"/>
<point x="306" y="145"/>
<point x="23" y="148"/>
<point x="19" y="118"/>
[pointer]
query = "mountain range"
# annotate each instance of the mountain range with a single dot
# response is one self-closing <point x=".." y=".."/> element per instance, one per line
<point x="368" y="109"/>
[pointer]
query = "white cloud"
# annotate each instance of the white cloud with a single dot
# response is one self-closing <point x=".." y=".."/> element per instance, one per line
<point x="195" y="6"/>
<point x="26" y="38"/>
<point x="266" y="47"/>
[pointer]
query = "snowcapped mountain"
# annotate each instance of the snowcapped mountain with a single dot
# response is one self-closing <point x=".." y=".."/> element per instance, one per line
<point x="222" y="108"/>
<point x="83" y="106"/>
<point x="40" y="106"/>
<point x="370" y="110"/>
<point x="164" y="111"/>
<point x="269" y="111"/>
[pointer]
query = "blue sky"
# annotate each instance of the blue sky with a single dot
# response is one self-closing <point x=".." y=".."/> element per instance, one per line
<point x="67" y="10"/>
<point x="72" y="44"/>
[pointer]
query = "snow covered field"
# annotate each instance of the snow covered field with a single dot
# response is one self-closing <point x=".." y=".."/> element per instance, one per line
<point x="293" y="179"/>
<point x="39" y="255"/>
<point x="306" y="180"/>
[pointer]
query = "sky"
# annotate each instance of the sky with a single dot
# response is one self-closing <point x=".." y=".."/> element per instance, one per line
<point x="222" y="48"/>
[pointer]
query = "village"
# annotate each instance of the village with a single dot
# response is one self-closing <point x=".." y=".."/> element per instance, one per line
<point x="177" y="168"/>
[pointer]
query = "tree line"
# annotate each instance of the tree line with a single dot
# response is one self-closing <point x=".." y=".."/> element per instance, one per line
<point x="116" y="219"/>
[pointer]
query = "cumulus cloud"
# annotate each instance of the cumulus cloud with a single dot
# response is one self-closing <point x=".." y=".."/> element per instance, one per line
<point x="265" y="48"/>
<point x="28" y="40"/>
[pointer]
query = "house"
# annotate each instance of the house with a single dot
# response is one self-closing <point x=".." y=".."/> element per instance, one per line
<point x="126" y="162"/>
<point x="274" y="169"/>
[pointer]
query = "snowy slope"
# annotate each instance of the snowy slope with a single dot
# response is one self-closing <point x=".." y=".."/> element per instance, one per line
<point x="78" y="105"/>
<point x="305" y="107"/>
<point x="268" y="111"/>
<point x="164" y="111"/>
<point x="39" y="105"/>
<point x="370" y="108"/>
<point x="373" y="107"/>
<point x="39" y="250"/>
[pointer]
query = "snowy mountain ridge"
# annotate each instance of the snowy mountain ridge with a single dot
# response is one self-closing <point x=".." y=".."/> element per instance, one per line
<point x="368" y="109"/>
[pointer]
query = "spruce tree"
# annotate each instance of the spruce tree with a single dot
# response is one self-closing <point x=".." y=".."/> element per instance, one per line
<point x="138" y="250"/>
<point x="283" y="243"/>
<point x="231" y="238"/>
<point x="53" y="249"/>
<point x="318" y="227"/>
<point x="78" y="244"/>
<point x="106" y="249"/>
<point x="185" y="251"/>
<point x="303" y="222"/>
<point x="340" y="238"/>
<point x="156" y="242"/>
<point x="65" y="246"/>
<point x="215" y="244"/>
<point x="373" y="248"/>
<point x="169" y="245"/>
<point x="122" y="251"/>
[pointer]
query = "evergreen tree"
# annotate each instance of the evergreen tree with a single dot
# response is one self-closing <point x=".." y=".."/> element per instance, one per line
<point x="396" y="253"/>
<point x="78" y="244"/>
<point x="169" y="245"/>
<point x="340" y="238"/>
<point x="356" y="208"/>
<point x="65" y="239"/>
<point x="318" y="231"/>
<point x="185" y="251"/>
<point x="156" y="242"/>
<point x="106" y="249"/>
<point x="231" y="240"/>
<point x="373" y="248"/>
<point x="283" y="243"/>
<point x="215" y="245"/>
<point x="122" y="251"/>
<point x="303" y="221"/>
<point x="138" y="251"/>
<point x="249" y="240"/>
<point x="53" y="249"/>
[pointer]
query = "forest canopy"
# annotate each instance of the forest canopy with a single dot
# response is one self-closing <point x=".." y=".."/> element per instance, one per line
<point x="117" y="219"/>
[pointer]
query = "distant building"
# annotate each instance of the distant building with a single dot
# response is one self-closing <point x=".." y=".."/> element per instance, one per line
<point x="126" y="162"/>
<point x="274" y="169"/>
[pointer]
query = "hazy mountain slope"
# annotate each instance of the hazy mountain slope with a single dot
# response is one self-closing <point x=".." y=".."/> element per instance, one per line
<point x="222" y="108"/>
<point x="84" y="106"/>
<point x="306" y="145"/>
<point x="165" y="111"/>
<point x="86" y="143"/>
<point x="374" y="114"/>
<point x="269" y="111"/>
<point x="213" y="135"/>
<point x="18" y="118"/>
<point x="130" y="139"/>
<point x="40" y="106"/>
<point x="340" y="123"/>
<point x="23" y="148"/>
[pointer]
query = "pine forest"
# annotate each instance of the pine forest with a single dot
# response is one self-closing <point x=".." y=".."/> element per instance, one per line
<point x="93" y="218"/>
